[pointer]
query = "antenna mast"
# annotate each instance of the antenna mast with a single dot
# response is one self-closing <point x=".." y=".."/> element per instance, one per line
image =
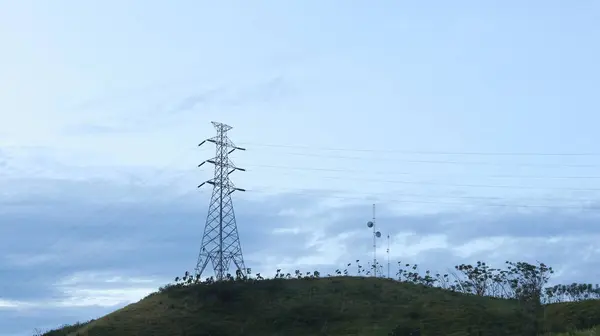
<point x="220" y="242"/>
<point x="388" y="255"/>
<point x="374" y="243"/>
<point x="376" y="234"/>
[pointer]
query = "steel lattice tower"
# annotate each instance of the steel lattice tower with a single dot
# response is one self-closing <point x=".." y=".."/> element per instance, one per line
<point x="221" y="242"/>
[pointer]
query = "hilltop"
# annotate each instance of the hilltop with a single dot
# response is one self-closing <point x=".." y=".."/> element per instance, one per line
<point x="340" y="305"/>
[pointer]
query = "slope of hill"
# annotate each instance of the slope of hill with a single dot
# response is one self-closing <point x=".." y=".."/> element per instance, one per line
<point x="327" y="306"/>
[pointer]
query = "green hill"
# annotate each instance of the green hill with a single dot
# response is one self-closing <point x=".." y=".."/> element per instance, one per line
<point x="329" y="306"/>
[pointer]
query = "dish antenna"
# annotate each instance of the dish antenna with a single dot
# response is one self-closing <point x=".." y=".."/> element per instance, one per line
<point x="376" y="234"/>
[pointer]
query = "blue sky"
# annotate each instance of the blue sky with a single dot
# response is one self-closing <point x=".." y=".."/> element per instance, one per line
<point x="103" y="104"/>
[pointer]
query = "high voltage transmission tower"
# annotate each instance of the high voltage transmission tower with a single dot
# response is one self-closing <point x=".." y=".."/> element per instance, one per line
<point x="221" y="242"/>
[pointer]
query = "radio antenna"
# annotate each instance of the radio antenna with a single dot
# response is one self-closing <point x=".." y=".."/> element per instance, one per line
<point x="388" y="254"/>
<point x="376" y="234"/>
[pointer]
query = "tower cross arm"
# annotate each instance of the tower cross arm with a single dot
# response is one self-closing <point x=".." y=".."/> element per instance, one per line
<point x="235" y="189"/>
<point x="234" y="169"/>
<point x="209" y="161"/>
<point x="234" y="148"/>
<point x="207" y="140"/>
<point x="211" y="182"/>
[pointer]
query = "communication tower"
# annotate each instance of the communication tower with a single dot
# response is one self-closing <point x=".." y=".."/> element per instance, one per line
<point x="376" y="234"/>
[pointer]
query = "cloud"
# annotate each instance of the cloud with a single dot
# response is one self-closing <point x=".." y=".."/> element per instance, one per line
<point x="11" y="304"/>
<point x="127" y="112"/>
<point x="90" y="257"/>
<point x="468" y="226"/>
<point x="193" y="100"/>
<point x="254" y="93"/>
<point x="103" y="289"/>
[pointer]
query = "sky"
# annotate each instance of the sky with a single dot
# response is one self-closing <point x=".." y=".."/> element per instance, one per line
<point x="471" y="125"/>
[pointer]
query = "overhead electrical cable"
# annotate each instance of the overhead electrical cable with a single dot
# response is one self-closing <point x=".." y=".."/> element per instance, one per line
<point x="419" y="151"/>
<point x="391" y="172"/>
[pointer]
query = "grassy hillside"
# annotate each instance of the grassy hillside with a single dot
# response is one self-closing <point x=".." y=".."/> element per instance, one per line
<point x="328" y="306"/>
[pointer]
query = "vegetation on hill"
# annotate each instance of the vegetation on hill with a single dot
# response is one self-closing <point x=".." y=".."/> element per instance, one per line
<point x="62" y="331"/>
<point x="472" y="300"/>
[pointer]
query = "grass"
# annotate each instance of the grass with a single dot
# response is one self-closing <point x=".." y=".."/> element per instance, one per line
<point x="65" y="330"/>
<point x="589" y="332"/>
<point x="340" y="305"/>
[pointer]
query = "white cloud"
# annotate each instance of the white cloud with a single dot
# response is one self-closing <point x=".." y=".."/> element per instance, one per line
<point x="479" y="246"/>
<point x="324" y="250"/>
<point x="90" y="297"/>
<point x="101" y="277"/>
<point x="90" y="289"/>
<point x="411" y="244"/>
<point x="12" y="304"/>
<point x="293" y="231"/>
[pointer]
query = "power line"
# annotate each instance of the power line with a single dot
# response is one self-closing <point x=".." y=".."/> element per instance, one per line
<point x="421" y="152"/>
<point x="442" y="184"/>
<point x="385" y="198"/>
<point x="401" y="193"/>
<point x="453" y="162"/>
<point x="313" y="193"/>
<point x="434" y="196"/>
<point x="398" y="194"/>
<point x="405" y="173"/>
<point x="461" y="185"/>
